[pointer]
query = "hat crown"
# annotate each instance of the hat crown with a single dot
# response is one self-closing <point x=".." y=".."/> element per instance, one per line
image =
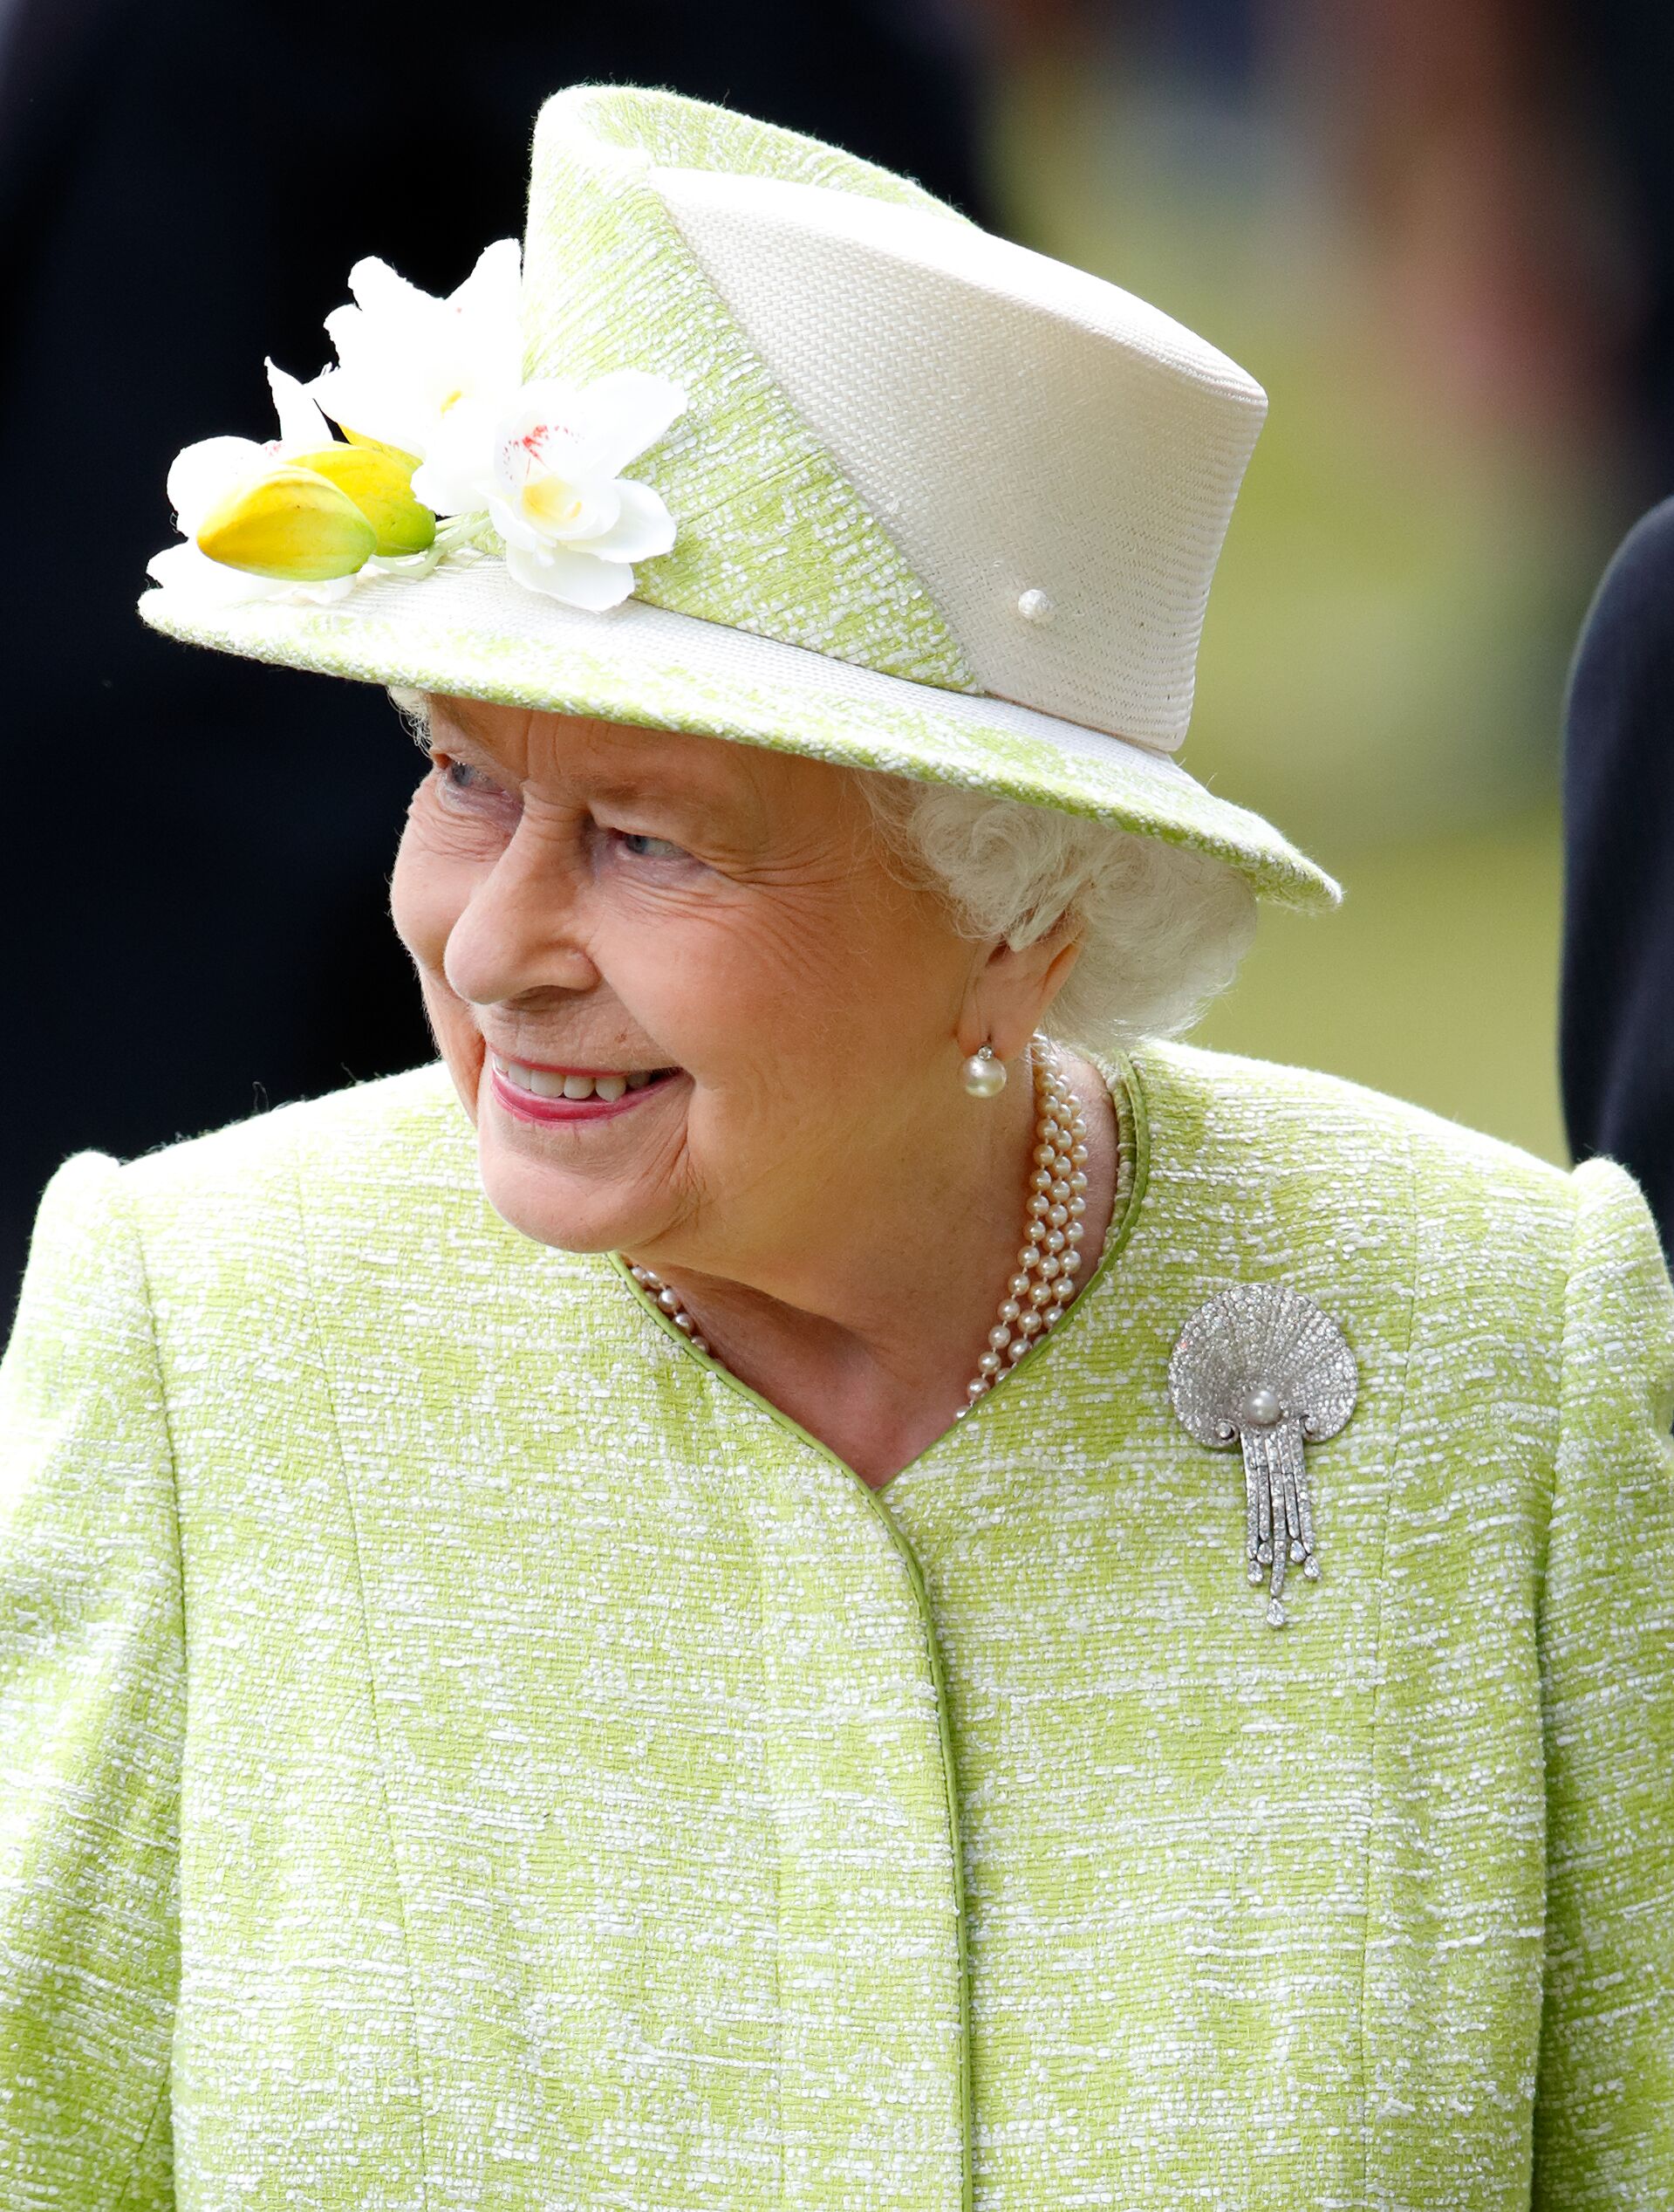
<point x="909" y="444"/>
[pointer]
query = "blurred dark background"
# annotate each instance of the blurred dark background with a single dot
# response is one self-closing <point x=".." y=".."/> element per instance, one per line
<point x="1441" y="233"/>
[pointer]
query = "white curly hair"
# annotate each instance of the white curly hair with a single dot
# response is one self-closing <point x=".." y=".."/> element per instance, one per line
<point x="1162" y="929"/>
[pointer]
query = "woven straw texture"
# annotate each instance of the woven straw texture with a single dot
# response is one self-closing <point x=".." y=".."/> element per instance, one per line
<point x="987" y="436"/>
<point x="1021" y="425"/>
<point x="465" y="1754"/>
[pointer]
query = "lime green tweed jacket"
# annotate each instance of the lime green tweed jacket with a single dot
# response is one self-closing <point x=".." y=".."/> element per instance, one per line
<point x="461" y="1752"/>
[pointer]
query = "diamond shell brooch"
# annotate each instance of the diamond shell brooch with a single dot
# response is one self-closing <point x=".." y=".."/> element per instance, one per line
<point x="1262" y="1366"/>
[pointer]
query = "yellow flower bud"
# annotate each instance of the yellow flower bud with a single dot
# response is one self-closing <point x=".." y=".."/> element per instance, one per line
<point x="377" y="445"/>
<point x="378" y="480"/>
<point x="291" y="523"/>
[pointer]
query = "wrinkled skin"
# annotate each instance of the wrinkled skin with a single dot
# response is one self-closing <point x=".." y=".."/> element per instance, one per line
<point x="837" y="1212"/>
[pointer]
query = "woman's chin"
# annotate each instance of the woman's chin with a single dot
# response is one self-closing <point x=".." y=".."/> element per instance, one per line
<point x="569" y="1210"/>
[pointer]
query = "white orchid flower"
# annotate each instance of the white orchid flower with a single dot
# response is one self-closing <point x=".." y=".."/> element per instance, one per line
<point x="405" y="359"/>
<point x="545" y="468"/>
<point x="206" y="475"/>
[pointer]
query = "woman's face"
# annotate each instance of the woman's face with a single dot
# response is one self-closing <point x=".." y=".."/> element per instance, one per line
<point x="712" y="928"/>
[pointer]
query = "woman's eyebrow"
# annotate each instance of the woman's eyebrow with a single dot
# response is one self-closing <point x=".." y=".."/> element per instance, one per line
<point x="691" y="803"/>
<point x="447" y="734"/>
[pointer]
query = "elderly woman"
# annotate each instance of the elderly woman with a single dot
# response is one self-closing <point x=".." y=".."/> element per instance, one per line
<point x="815" y="1572"/>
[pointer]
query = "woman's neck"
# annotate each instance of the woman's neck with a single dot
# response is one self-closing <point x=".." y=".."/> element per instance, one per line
<point x="867" y="1337"/>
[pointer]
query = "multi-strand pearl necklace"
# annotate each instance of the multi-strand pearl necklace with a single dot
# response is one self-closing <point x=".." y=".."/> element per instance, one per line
<point x="1049" y="1258"/>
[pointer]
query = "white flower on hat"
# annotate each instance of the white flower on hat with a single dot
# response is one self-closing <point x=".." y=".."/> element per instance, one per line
<point x="405" y="359"/>
<point x="205" y="477"/>
<point x="545" y="468"/>
<point x="429" y="395"/>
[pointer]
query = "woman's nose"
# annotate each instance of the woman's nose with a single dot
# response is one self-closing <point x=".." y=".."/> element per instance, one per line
<point x="519" y="931"/>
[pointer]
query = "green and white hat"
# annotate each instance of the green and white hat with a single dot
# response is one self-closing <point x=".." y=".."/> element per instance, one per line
<point x="758" y="439"/>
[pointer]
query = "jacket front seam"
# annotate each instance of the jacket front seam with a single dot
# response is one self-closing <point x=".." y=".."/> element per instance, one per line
<point x="165" y="2085"/>
<point x="371" y="1667"/>
<point x="944" y="1725"/>
<point x="770" y="1738"/>
<point x="1398" y="1436"/>
<point x="1566" y="1299"/>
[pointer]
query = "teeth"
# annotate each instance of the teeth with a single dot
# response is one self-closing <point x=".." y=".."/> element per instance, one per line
<point x="548" y="1083"/>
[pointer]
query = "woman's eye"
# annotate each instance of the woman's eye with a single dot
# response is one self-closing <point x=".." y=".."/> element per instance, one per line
<point x="457" y="775"/>
<point x="466" y="789"/>
<point x="649" y="848"/>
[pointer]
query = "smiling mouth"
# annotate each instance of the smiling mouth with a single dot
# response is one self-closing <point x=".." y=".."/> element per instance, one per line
<point x="573" y="1084"/>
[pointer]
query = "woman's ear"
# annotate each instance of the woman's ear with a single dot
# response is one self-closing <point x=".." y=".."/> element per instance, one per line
<point x="1011" y="987"/>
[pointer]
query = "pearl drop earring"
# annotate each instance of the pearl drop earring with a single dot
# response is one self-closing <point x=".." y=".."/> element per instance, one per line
<point x="985" y="1077"/>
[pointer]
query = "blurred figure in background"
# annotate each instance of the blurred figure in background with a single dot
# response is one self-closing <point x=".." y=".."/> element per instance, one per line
<point x="1618" y="957"/>
<point x="1618" y="970"/>
<point x="245" y="141"/>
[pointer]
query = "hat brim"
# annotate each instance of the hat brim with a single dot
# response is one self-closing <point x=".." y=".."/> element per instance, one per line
<point x="469" y="629"/>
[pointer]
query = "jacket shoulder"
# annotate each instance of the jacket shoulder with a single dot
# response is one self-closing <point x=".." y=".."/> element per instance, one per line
<point x="321" y="1191"/>
<point x="1340" y="1137"/>
<point x="402" y="1125"/>
<point x="1446" y="1257"/>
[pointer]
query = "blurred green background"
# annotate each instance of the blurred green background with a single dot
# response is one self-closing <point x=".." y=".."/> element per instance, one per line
<point x="1418" y="256"/>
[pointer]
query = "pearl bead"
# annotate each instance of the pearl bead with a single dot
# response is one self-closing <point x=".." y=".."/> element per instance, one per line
<point x="668" y="1302"/>
<point x="1039" y="1296"/>
<point x="1016" y="1349"/>
<point x="1049" y="1267"/>
<point x="1055" y="1240"/>
<point x="974" y="1388"/>
<point x="1036" y="1232"/>
<point x="985" y="1076"/>
<point x="1030" y="1323"/>
<point x="1070" y="1262"/>
<point x="1039" y="1204"/>
<point x="1057" y="1215"/>
<point x="1079" y="1153"/>
<point x="700" y="1344"/>
<point x="1044" y="1155"/>
<point x="683" y="1322"/>
<point x="1018" y="1287"/>
<point x="1261" y="1408"/>
<point x="1076" y="1203"/>
<point x="989" y="1364"/>
<point x="999" y="1338"/>
<point x="1078" y="1181"/>
<point x="1009" y="1311"/>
